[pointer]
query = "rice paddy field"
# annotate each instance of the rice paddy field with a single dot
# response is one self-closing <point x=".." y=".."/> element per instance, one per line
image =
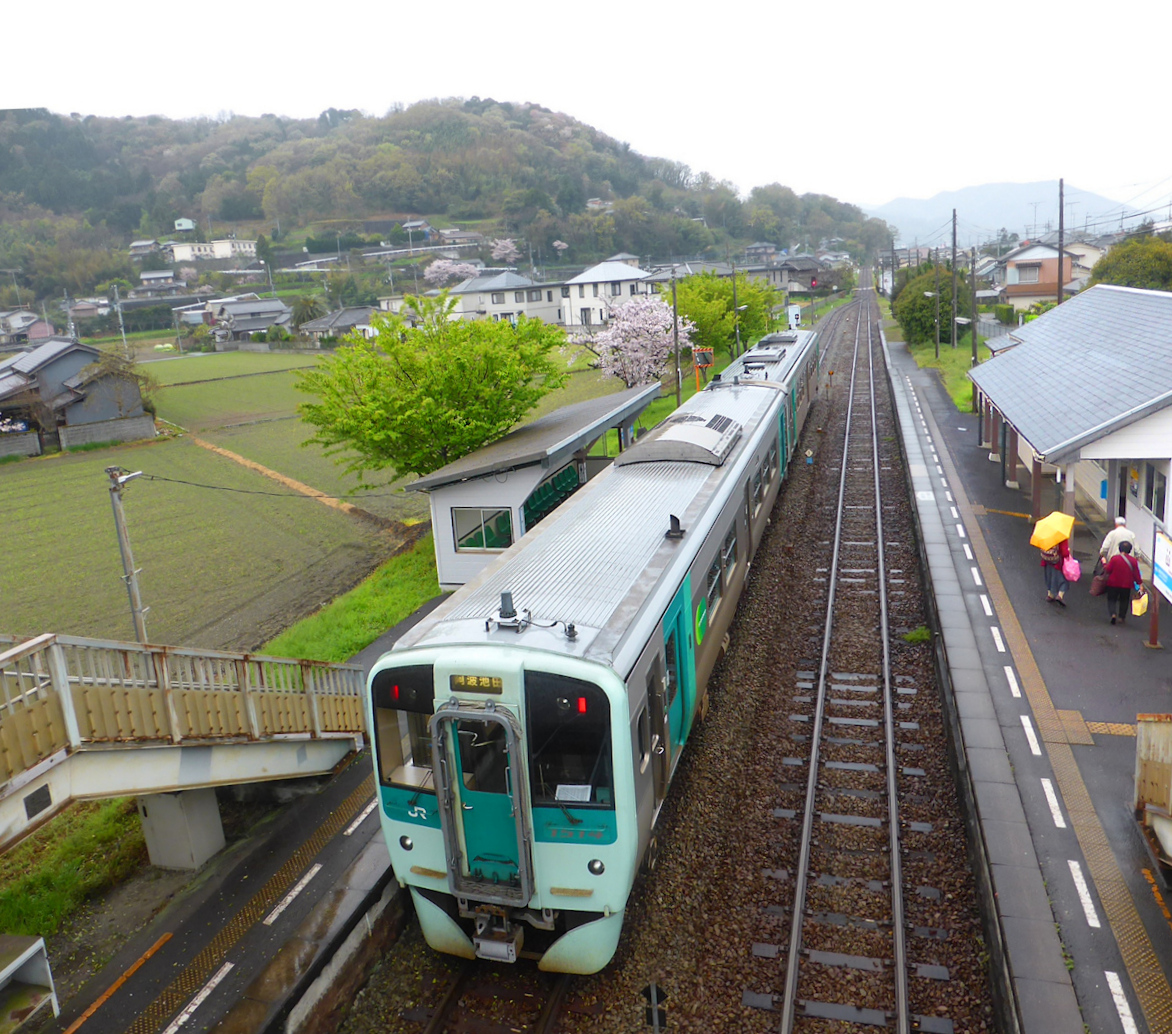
<point x="229" y="558"/>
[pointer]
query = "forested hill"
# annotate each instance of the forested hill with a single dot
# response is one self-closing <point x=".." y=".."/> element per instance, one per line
<point x="515" y="169"/>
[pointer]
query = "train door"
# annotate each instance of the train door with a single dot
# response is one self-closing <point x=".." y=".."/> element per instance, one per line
<point x="783" y="459"/>
<point x="479" y="769"/>
<point x="660" y="734"/>
<point x="680" y="662"/>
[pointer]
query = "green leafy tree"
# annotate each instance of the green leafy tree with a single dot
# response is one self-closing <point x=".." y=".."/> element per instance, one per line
<point x="428" y="389"/>
<point x="916" y="312"/>
<point x="707" y="300"/>
<point x="1143" y="262"/>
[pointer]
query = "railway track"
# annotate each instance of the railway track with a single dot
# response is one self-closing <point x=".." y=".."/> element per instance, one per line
<point x="847" y="961"/>
<point x="482" y="1000"/>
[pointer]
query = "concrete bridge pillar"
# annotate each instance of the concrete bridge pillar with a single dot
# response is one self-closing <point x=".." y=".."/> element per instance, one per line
<point x="183" y="829"/>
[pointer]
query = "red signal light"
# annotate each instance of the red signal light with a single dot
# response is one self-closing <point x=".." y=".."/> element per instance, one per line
<point x="395" y="691"/>
<point x="813" y="281"/>
<point x="581" y="705"/>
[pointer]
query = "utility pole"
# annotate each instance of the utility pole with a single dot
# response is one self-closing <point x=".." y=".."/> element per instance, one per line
<point x="973" y="322"/>
<point x="675" y="333"/>
<point x="937" y="266"/>
<point x="1061" y="238"/>
<point x="121" y="325"/>
<point x="952" y="329"/>
<point x="130" y="575"/>
<point x="736" y="312"/>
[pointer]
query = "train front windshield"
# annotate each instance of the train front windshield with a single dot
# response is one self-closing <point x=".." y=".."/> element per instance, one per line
<point x="403" y="705"/>
<point x="569" y="742"/>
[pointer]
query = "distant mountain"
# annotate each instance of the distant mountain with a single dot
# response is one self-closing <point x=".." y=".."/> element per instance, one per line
<point x="1027" y="209"/>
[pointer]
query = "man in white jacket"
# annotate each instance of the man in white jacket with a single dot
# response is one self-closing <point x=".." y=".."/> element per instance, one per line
<point x="1120" y="533"/>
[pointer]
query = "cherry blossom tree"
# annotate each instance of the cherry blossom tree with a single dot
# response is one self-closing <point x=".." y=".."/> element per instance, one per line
<point x="443" y="270"/>
<point x="637" y="341"/>
<point x="505" y="250"/>
<point x="560" y="246"/>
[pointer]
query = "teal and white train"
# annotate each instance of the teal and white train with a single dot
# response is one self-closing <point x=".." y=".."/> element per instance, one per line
<point x="527" y="731"/>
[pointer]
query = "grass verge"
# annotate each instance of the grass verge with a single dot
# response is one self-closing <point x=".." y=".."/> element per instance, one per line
<point x="354" y="620"/>
<point x="953" y="364"/>
<point x="92" y="846"/>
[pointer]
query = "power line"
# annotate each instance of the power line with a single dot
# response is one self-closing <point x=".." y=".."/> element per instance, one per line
<point x="291" y="494"/>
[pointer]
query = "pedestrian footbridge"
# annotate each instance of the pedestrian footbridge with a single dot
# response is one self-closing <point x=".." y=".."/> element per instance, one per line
<point x="90" y="718"/>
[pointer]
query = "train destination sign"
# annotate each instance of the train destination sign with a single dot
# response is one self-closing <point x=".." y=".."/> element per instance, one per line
<point x="476" y="683"/>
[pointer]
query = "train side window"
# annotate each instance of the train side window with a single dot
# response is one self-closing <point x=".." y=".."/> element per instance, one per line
<point x="771" y="462"/>
<point x="758" y="490"/>
<point x="403" y="705"/>
<point x="569" y="741"/>
<point x="714" y="586"/>
<point x="728" y="552"/>
<point x="478" y="530"/>
<point x="644" y="732"/>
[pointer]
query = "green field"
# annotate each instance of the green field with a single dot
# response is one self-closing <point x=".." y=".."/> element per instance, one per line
<point x="219" y="568"/>
<point x="204" y="366"/>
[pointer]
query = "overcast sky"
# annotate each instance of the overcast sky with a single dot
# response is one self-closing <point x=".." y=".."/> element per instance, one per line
<point x="866" y="102"/>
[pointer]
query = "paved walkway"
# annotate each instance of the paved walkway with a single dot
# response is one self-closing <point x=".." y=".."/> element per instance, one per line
<point x="1046" y="700"/>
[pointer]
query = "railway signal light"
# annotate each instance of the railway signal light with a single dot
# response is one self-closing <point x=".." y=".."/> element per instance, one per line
<point x="813" y="282"/>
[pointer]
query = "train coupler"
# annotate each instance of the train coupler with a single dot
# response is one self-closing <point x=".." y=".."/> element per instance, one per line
<point x="496" y="938"/>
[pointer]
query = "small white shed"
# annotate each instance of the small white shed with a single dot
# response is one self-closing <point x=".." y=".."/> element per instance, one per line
<point x="483" y="503"/>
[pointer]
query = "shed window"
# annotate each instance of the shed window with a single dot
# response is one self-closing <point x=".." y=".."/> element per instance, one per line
<point x="565" y="292"/>
<point x="478" y="530"/>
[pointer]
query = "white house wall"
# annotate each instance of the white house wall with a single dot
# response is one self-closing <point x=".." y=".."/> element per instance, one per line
<point x="1149" y="438"/>
<point x="496" y="492"/>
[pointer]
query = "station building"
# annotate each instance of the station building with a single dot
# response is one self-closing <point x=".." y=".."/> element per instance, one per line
<point x="1082" y="399"/>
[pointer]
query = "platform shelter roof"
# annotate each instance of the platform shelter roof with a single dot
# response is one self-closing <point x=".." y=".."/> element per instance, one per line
<point x="548" y="440"/>
<point x="1095" y="364"/>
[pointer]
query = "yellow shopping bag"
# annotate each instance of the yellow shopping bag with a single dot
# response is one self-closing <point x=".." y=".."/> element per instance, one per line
<point x="1139" y="605"/>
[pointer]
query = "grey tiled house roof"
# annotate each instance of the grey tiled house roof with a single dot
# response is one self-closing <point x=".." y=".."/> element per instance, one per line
<point x="1095" y="364"/>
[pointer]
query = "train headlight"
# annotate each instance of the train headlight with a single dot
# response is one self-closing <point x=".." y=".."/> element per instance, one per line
<point x="406" y="843"/>
<point x="596" y="867"/>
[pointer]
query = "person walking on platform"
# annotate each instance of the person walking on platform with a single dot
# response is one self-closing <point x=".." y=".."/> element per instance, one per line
<point x="1122" y="575"/>
<point x="1056" y="582"/>
<point x="1117" y="535"/>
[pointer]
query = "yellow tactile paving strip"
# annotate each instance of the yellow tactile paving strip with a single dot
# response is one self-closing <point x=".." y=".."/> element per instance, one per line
<point x="201" y="967"/>
<point x="1111" y="728"/>
<point x="1075" y="728"/>
<point x="1143" y="968"/>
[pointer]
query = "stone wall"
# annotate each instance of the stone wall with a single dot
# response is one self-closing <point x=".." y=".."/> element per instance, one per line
<point x="129" y="429"/>
<point x="26" y="444"/>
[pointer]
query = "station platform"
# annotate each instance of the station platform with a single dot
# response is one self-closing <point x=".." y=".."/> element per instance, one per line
<point x="1045" y="701"/>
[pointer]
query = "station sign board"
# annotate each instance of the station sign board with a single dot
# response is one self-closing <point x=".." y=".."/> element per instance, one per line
<point x="1162" y="564"/>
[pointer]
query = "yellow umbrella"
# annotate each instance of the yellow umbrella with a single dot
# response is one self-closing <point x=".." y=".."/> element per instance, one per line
<point x="1052" y="529"/>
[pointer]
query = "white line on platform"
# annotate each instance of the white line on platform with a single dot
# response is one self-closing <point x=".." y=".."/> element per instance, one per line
<point x="1052" y="800"/>
<point x="1000" y="643"/>
<point x="960" y="530"/>
<point x="1121" y="1005"/>
<point x="1084" y="894"/>
<point x="987" y="605"/>
<point x="976" y="576"/>
<point x="1031" y="735"/>
<point x="944" y="482"/>
<point x="361" y="818"/>
<point x="954" y="513"/>
<point x="948" y="496"/>
<point x="939" y="469"/>
<point x="1012" y="680"/>
<point x="968" y="551"/>
<point x="200" y="998"/>
<point x="287" y="900"/>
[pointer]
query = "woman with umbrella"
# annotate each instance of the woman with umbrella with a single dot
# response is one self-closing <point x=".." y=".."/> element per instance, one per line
<point x="1052" y="536"/>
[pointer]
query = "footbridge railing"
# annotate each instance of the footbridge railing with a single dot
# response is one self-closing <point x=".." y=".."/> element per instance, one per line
<point x="121" y="718"/>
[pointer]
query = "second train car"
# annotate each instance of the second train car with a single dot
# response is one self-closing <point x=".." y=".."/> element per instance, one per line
<point x="527" y="731"/>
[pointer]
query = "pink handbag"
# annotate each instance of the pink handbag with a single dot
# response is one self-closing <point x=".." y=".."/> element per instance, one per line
<point x="1071" y="570"/>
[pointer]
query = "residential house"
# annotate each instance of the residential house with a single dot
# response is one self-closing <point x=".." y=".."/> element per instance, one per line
<point x="184" y="225"/>
<point x="498" y="295"/>
<point x="140" y="248"/>
<point x="1029" y="274"/>
<point x="22" y="327"/>
<point x="589" y="298"/>
<point x="158" y="282"/>
<point x="228" y="248"/>
<point x="760" y="251"/>
<point x="85" y="310"/>
<point x="338" y="324"/>
<point x="418" y="229"/>
<point x="237" y="319"/>
<point x="458" y="236"/>
<point x="63" y="394"/>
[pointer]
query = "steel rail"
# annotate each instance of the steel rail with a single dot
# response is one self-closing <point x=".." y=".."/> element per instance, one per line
<point x="898" y="924"/>
<point x="789" y="1001"/>
<point x="801" y="883"/>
